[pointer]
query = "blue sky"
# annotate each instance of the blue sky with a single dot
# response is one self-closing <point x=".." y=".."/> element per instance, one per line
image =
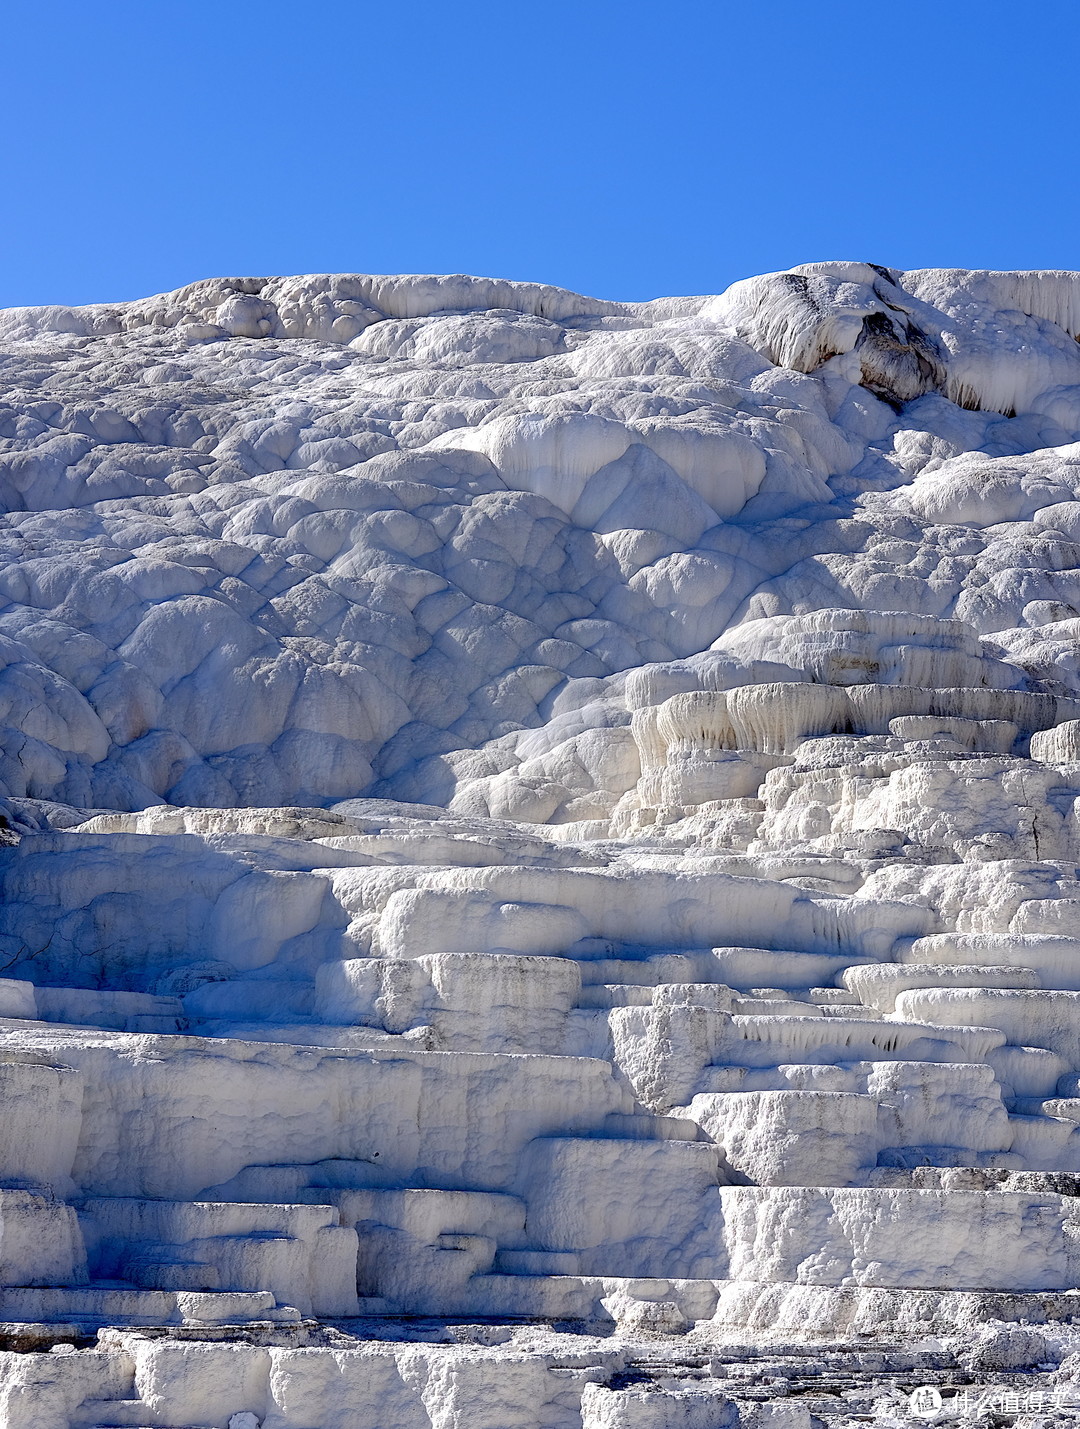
<point x="624" y="149"/>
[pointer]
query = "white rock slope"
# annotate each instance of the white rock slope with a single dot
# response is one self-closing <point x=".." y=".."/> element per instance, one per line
<point x="535" y="811"/>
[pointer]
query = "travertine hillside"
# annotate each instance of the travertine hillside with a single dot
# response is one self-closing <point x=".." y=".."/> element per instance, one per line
<point x="543" y="852"/>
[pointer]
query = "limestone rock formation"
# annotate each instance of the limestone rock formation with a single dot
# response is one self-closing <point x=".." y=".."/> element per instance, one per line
<point x="541" y="854"/>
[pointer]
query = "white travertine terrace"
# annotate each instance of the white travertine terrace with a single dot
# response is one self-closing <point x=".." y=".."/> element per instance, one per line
<point x="542" y="854"/>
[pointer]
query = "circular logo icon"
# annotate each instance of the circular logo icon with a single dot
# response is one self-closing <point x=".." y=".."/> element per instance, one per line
<point x="925" y="1402"/>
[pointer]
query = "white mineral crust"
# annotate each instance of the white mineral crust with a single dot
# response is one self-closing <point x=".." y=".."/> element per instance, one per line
<point x="536" y="828"/>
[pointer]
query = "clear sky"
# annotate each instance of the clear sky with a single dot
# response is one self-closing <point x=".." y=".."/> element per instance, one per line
<point x="625" y="148"/>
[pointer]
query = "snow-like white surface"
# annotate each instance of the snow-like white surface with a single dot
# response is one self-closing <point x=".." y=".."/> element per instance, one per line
<point x="532" y="808"/>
